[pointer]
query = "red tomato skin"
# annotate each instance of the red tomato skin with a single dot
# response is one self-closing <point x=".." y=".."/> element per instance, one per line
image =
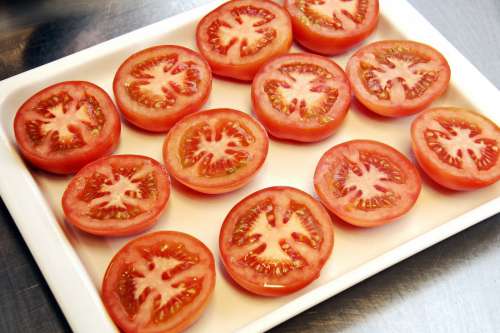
<point x="244" y="72"/>
<point x="219" y="189"/>
<point x="444" y="179"/>
<point x="71" y="217"/>
<point x="163" y="124"/>
<point x="256" y="288"/>
<point x="440" y="176"/>
<point x="110" y="301"/>
<point x="287" y="132"/>
<point x="318" y="43"/>
<point x="395" y="111"/>
<point x="359" y="222"/>
<point x="223" y="188"/>
<point x="290" y="132"/>
<point x="72" y="163"/>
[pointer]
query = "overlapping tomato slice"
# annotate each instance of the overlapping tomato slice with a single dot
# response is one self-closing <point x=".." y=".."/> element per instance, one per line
<point x="156" y="87"/>
<point x="276" y="240"/>
<point x="398" y="78"/>
<point x="366" y="183"/>
<point x="239" y="36"/>
<point x="301" y="97"/>
<point x="159" y="282"/>
<point x="117" y="195"/>
<point x="457" y="148"/>
<point x="332" y="26"/>
<point x="215" y="151"/>
<point x="67" y="125"/>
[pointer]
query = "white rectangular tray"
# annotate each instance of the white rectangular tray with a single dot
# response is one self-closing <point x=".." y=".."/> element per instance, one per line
<point x="73" y="263"/>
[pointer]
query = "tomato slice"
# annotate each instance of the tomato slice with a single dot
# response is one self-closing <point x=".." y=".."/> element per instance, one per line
<point x="156" y="87"/>
<point x="332" y="26"/>
<point x="398" y="78"/>
<point x="301" y="97"/>
<point x="241" y="35"/>
<point x="67" y="125"/>
<point x="276" y="241"/>
<point x="159" y="282"/>
<point x="215" y="151"/>
<point x="366" y="183"/>
<point x="457" y="148"/>
<point x="117" y="195"/>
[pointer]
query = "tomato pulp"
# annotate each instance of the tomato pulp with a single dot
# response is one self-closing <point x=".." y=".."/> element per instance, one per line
<point x="332" y="26"/>
<point x="159" y="283"/>
<point x="302" y="97"/>
<point x="276" y="241"/>
<point x="215" y="151"/>
<point x="156" y="87"/>
<point x="241" y="35"/>
<point x="366" y="183"/>
<point x="398" y="78"/>
<point x="67" y="125"/>
<point x="117" y="195"/>
<point x="457" y="148"/>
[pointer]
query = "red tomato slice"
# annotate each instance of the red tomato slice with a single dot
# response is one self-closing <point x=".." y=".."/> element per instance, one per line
<point x="241" y="35"/>
<point x="457" y="148"/>
<point x="276" y="241"/>
<point x="366" y="183"/>
<point x="67" y="125"/>
<point x="398" y="78"/>
<point x="160" y="282"/>
<point x="156" y="87"/>
<point x="332" y="26"/>
<point x="301" y="97"/>
<point x="117" y="195"/>
<point x="215" y="151"/>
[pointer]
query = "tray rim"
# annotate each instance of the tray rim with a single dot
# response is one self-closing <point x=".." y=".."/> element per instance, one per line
<point x="65" y="273"/>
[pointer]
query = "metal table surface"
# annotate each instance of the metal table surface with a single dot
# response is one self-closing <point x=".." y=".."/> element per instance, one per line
<point x="452" y="287"/>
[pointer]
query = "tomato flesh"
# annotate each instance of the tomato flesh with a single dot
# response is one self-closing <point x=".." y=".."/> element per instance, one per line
<point x="366" y="183"/>
<point x="239" y="36"/>
<point x="67" y="125"/>
<point x="301" y="97"/>
<point x="276" y="241"/>
<point x="398" y="78"/>
<point x="457" y="148"/>
<point x="117" y="195"/>
<point x="332" y="26"/>
<point x="160" y="282"/>
<point x="156" y="87"/>
<point x="215" y="151"/>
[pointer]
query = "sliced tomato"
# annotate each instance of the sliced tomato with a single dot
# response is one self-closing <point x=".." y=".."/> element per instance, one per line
<point x="332" y="26"/>
<point x="215" y="151"/>
<point x="156" y="87"/>
<point x="276" y="241"/>
<point x="67" y="125"/>
<point x="117" y="195"/>
<point x="241" y="35"/>
<point x="301" y="97"/>
<point x="398" y="78"/>
<point x="366" y="183"/>
<point x="159" y="282"/>
<point x="457" y="148"/>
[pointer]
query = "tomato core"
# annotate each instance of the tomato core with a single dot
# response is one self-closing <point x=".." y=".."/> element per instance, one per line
<point x="149" y="88"/>
<point x="276" y="241"/>
<point x="305" y="92"/>
<point x="344" y="15"/>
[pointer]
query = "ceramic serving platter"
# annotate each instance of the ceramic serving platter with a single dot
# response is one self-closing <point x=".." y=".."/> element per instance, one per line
<point x="73" y="263"/>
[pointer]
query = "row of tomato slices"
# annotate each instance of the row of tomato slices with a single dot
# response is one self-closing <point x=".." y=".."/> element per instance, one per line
<point x="276" y="240"/>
